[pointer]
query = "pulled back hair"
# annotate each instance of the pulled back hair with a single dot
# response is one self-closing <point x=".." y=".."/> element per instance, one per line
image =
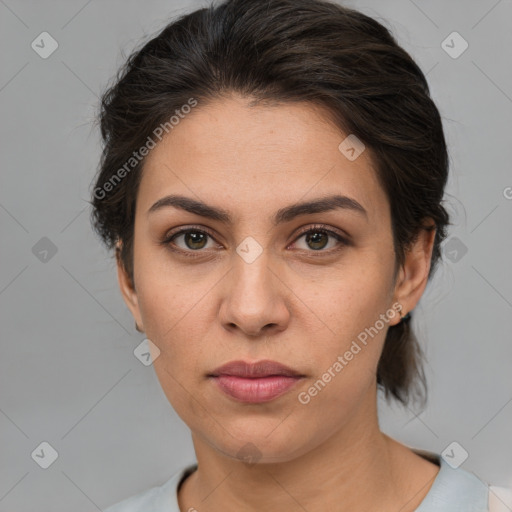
<point x="288" y="51"/>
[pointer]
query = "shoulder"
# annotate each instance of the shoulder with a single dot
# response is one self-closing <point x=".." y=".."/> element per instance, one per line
<point x="458" y="490"/>
<point x="148" y="500"/>
<point x="162" y="498"/>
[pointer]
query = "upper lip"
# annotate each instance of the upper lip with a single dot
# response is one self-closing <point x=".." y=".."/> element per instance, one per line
<point x="264" y="368"/>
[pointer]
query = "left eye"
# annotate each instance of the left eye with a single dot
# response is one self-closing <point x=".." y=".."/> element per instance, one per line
<point x="317" y="239"/>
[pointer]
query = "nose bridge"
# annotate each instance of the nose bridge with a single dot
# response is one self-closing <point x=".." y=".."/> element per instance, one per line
<point x="253" y="299"/>
<point x="252" y="276"/>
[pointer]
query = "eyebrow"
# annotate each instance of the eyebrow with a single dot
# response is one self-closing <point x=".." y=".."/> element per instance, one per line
<point x="320" y="205"/>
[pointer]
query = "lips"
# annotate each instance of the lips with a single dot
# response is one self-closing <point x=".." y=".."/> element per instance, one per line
<point x="259" y="369"/>
<point x="255" y="382"/>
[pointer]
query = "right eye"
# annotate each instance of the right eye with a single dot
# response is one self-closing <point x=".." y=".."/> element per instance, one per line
<point x="194" y="241"/>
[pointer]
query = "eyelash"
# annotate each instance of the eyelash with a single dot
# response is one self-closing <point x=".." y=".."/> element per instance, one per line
<point x="167" y="241"/>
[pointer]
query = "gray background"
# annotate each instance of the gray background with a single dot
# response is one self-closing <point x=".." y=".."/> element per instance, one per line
<point x="68" y="374"/>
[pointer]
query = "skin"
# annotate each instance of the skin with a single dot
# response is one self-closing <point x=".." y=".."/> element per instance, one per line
<point x="295" y="304"/>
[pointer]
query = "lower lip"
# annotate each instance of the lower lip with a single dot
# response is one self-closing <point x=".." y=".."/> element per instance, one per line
<point x="255" y="391"/>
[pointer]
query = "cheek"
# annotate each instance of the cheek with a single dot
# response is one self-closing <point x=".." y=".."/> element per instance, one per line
<point x="355" y="313"/>
<point x="353" y="300"/>
<point x="167" y="301"/>
<point x="175" y="321"/>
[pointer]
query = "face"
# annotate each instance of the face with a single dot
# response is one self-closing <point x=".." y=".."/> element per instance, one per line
<point x="312" y="289"/>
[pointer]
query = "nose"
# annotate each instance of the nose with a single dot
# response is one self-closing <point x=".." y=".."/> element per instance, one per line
<point x="255" y="298"/>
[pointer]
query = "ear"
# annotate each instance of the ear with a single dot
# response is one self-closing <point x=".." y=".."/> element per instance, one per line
<point x="127" y="288"/>
<point x="413" y="275"/>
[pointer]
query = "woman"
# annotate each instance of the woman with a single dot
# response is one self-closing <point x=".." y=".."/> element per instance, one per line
<point x="272" y="183"/>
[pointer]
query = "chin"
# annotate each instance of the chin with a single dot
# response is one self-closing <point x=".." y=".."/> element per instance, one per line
<point x="256" y="442"/>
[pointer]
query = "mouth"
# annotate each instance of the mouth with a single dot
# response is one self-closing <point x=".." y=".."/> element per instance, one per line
<point x="253" y="383"/>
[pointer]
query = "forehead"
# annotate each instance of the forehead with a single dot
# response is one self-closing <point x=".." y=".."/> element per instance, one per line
<point x="229" y="153"/>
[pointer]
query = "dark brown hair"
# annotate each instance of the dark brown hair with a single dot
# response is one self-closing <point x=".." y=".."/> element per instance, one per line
<point x="287" y="51"/>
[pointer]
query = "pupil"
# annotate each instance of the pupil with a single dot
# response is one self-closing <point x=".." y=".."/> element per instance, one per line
<point x="314" y="239"/>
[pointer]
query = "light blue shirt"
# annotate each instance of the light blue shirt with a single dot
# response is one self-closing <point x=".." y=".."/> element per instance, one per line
<point x="453" y="490"/>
